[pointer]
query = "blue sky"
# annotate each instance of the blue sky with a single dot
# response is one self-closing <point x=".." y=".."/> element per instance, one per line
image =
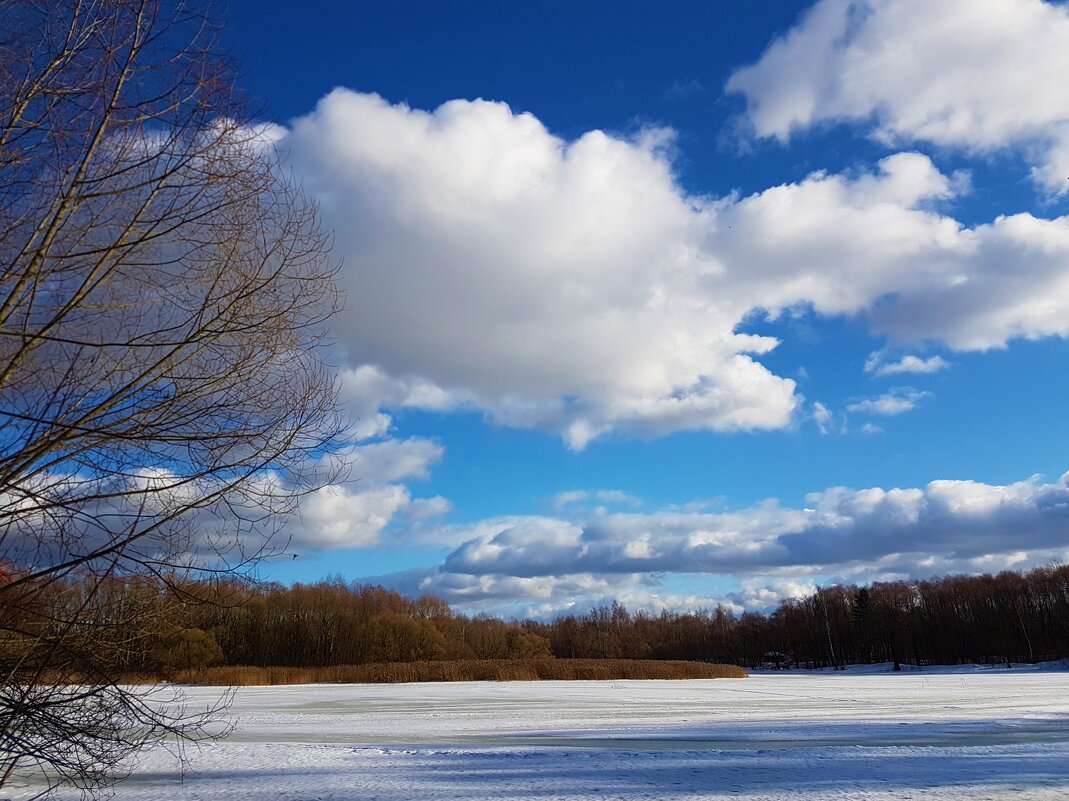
<point x="684" y="303"/>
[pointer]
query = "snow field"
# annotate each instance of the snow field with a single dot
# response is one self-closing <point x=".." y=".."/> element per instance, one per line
<point x="963" y="735"/>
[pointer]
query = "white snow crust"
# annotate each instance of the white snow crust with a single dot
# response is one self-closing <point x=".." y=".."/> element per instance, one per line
<point x="860" y="735"/>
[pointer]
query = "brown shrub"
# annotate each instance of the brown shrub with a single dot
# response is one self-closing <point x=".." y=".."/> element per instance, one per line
<point x="186" y="649"/>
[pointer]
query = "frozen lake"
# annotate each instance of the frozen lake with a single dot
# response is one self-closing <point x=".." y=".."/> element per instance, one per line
<point x="933" y="735"/>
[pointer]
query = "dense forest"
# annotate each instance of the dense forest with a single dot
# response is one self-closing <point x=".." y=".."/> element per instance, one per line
<point x="1007" y="618"/>
<point x="171" y="626"/>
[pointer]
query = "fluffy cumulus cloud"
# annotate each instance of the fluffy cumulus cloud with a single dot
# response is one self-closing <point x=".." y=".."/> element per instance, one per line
<point x="979" y="76"/>
<point x="573" y="286"/>
<point x="977" y="302"/>
<point x="55" y="515"/>
<point x="553" y="284"/>
<point x="395" y="460"/>
<point x="366" y="388"/>
<point x="772" y="551"/>
<point x="873" y="244"/>
<point x="346" y="516"/>
<point x="355" y="513"/>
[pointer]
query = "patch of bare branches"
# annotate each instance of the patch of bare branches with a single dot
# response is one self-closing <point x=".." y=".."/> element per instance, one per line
<point x="164" y="291"/>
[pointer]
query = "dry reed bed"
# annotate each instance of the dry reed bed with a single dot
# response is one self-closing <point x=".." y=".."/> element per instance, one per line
<point x="462" y="670"/>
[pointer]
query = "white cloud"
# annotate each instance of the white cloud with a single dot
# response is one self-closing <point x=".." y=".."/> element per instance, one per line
<point x="625" y="543"/>
<point x="393" y="460"/>
<point x="342" y="516"/>
<point x="762" y="593"/>
<point x="877" y="365"/>
<point x="553" y="284"/>
<point x="978" y="75"/>
<point x="569" y="497"/>
<point x="839" y="242"/>
<point x="426" y="508"/>
<point x="367" y="388"/>
<point x="356" y="513"/>
<point x="574" y="287"/>
<point x="505" y="596"/>
<point x="889" y="404"/>
<point x="977" y="303"/>
<point x="842" y="243"/>
<point x="871" y="244"/>
<point x="451" y="535"/>
<point x="259" y="520"/>
<point x="859" y="535"/>
<point x="822" y="416"/>
<point x="372" y="426"/>
<point x="547" y="597"/>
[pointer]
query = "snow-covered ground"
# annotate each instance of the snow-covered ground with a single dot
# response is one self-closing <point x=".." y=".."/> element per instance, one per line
<point x="933" y="734"/>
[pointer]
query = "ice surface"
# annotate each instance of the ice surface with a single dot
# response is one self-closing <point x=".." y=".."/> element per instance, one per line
<point x="866" y="734"/>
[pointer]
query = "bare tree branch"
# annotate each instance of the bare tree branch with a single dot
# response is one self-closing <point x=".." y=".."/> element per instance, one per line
<point x="164" y="295"/>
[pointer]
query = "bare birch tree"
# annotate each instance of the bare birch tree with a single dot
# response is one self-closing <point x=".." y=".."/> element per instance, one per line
<point x="164" y="290"/>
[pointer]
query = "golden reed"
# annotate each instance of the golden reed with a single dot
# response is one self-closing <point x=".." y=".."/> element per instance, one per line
<point x="462" y="670"/>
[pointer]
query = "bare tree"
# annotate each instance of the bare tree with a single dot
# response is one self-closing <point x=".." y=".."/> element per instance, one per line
<point x="164" y="292"/>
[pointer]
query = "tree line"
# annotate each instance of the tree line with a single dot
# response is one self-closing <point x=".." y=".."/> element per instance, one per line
<point x="1006" y="618"/>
